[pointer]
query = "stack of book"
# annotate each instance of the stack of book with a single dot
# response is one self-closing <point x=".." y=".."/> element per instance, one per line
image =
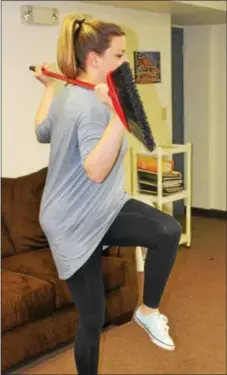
<point x="147" y="170"/>
<point x="148" y="182"/>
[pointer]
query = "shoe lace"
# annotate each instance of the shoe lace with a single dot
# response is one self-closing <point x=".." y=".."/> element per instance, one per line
<point x="164" y="321"/>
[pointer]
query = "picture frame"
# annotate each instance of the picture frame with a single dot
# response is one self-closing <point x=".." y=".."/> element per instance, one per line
<point x="147" y="67"/>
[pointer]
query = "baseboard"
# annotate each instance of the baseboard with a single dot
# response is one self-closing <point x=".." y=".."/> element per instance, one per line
<point x="209" y="213"/>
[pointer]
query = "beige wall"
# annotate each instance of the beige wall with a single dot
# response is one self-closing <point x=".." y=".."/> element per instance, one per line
<point x="205" y="112"/>
<point x="23" y="45"/>
<point x="205" y="90"/>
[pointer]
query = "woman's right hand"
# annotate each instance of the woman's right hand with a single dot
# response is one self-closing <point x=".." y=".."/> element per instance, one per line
<point x="102" y="92"/>
<point x="44" y="79"/>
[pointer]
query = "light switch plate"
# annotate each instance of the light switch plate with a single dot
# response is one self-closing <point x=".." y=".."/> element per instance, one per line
<point x="164" y="114"/>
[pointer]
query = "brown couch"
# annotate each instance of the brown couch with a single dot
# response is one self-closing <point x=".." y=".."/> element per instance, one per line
<point x="37" y="310"/>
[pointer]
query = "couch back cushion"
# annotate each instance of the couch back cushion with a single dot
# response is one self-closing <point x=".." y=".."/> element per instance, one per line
<point x="20" y="209"/>
<point x="7" y="247"/>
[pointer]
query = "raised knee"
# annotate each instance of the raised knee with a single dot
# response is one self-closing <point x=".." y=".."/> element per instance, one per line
<point x="173" y="228"/>
<point x="170" y="228"/>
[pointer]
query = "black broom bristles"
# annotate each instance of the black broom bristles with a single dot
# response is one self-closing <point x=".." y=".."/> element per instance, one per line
<point x="132" y="106"/>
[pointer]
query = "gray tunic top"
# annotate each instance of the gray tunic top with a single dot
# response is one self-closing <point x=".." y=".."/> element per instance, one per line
<point x="76" y="212"/>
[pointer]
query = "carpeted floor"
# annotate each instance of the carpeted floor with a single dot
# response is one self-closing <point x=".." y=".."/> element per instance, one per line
<point x="195" y="303"/>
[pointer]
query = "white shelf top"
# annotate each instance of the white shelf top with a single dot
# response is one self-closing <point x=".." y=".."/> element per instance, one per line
<point x="164" y="199"/>
<point x="167" y="149"/>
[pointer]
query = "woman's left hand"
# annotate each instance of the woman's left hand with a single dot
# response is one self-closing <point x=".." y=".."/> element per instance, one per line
<point x="44" y="79"/>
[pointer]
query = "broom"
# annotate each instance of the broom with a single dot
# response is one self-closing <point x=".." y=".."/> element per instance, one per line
<point x="125" y="98"/>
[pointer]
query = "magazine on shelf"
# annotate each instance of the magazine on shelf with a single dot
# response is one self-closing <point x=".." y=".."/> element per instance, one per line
<point x="153" y="176"/>
<point x="171" y="182"/>
<point x="154" y="189"/>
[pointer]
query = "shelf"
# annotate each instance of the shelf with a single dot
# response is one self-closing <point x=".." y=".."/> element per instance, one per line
<point x="161" y="200"/>
<point x="168" y="150"/>
<point x="169" y="198"/>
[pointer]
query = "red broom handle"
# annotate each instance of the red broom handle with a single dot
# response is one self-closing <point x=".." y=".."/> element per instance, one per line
<point x="73" y="81"/>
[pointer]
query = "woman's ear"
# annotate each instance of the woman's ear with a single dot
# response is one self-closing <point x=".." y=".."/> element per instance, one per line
<point x="93" y="59"/>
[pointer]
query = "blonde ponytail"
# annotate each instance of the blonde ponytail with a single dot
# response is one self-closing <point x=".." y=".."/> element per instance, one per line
<point x="65" y="50"/>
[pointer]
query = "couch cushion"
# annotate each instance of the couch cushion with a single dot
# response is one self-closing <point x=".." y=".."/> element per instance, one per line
<point x="113" y="273"/>
<point x="40" y="264"/>
<point x="24" y="298"/>
<point x="20" y="208"/>
<point x="7" y="245"/>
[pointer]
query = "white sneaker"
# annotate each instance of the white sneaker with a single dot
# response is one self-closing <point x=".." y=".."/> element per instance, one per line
<point x="156" y="327"/>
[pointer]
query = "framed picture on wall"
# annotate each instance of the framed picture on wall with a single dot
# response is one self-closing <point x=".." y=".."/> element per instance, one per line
<point x="147" y="67"/>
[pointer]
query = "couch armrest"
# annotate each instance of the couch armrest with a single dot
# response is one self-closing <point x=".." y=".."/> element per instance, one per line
<point x="128" y="254"/>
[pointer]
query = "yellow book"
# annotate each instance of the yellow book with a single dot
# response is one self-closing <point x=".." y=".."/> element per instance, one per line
<point x="148" y="163"/>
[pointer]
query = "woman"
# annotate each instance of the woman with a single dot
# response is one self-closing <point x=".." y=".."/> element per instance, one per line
<point x="84" y="206"/>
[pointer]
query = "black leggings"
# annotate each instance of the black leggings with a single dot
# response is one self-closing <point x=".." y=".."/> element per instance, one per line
<point x="138" y="224"/>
